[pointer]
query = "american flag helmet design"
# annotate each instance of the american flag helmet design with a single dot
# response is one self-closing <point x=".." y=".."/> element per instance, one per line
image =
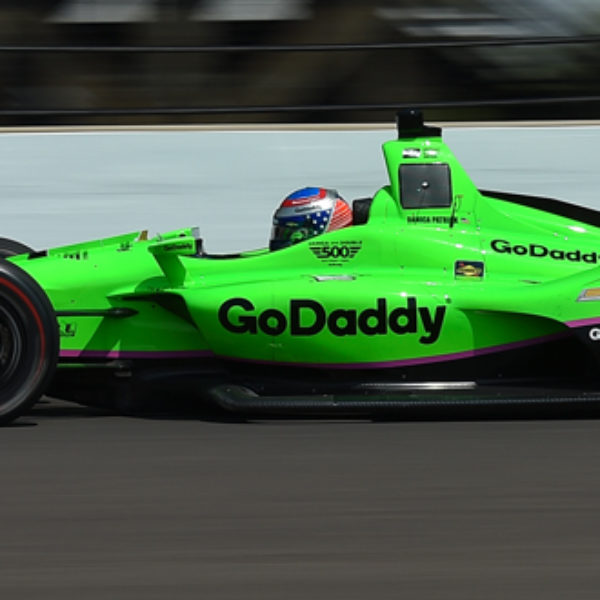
<point x="306" y="213"/>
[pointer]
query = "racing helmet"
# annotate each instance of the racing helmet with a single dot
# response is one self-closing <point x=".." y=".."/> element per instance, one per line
<point x="306" y="213"/>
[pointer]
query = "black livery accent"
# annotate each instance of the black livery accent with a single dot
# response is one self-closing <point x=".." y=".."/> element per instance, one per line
<point x="549" y="205"/>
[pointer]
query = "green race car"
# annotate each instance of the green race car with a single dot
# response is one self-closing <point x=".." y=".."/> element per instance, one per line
<point x="434" y="284"/>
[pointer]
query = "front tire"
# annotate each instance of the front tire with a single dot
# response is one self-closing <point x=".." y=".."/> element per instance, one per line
<point x="28" y="341"/>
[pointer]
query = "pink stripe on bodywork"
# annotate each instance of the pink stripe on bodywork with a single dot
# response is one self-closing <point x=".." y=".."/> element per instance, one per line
<point x="410" y="362"/>
<point x="583" y="322"/>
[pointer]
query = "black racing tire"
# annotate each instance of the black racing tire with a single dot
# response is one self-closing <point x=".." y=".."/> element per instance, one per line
<point x="29" y="341"/>
<point x="10" y="247"/>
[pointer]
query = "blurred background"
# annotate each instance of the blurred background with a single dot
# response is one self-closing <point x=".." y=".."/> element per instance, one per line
<point x="205" y="61"/>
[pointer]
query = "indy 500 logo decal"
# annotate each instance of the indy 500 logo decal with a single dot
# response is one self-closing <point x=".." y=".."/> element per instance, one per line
<point x="335" y="253"/>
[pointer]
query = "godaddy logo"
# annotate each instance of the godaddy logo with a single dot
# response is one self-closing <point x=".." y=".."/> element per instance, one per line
<point x="306" y="317"/>
<point x="541" y="251"/>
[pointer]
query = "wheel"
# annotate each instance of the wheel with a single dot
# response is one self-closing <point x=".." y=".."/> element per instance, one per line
<point x="28" y="341"/>
<point x="10" y="247"/>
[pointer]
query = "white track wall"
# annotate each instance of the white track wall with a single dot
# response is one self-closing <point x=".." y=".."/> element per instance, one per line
<point x="59" y="188"/>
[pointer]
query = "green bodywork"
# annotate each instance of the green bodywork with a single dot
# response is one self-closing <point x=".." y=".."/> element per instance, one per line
<point x="425" y="279"/>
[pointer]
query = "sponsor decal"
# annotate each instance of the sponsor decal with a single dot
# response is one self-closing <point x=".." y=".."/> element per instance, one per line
<point x="334" y="253"/>
<point x="471" y="269"/>
<point x="76" y="255"/>
<point x="589" y="295"/>
<point x="178" y="246"/>
<point x="429" y="219"/>
<point x="411" y="153"/>
<point x="541" y="251"/>
<point x="306" y="317"/>
<point x="304" y="209"/>
<point x="305" y="196"/>
<point x="67" y="329"/>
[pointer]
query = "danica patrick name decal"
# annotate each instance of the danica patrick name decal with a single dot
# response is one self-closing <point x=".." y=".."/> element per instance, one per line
<point x="439" y="220"/>
<point x="306" y="317"/>
<point x="541" y="251"/>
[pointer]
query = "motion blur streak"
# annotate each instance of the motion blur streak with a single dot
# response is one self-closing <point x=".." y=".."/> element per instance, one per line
<point x="450" y="64"/>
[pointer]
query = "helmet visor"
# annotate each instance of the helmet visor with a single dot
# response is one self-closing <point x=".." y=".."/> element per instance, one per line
<point x="288" y="230"/>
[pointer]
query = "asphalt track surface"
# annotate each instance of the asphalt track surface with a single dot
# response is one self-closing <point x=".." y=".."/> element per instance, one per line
<point x="188" y="503"/>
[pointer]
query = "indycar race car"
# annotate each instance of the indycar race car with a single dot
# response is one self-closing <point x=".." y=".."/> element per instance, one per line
<point x="435" y="284"/>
